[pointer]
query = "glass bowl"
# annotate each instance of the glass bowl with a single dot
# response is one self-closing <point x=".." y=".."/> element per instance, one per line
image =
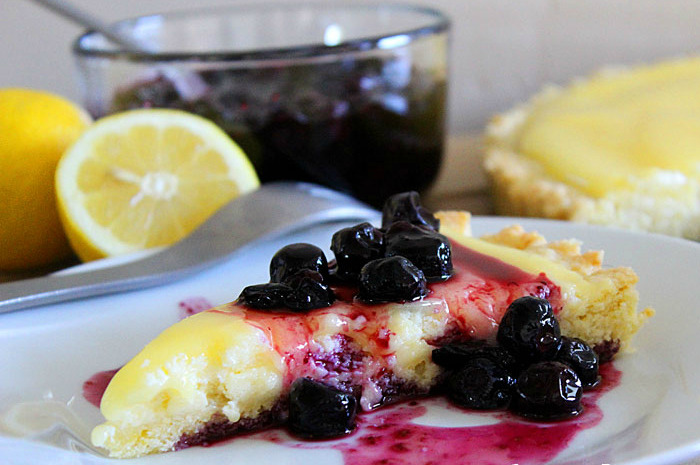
<point x="349" y="96"/>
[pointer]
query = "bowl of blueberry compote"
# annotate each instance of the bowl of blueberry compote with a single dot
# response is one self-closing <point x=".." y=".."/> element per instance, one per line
<point x="347" y="95"/>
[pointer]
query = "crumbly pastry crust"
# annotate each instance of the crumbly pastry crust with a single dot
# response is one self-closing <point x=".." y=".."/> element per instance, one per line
<point x="609" y="315"/>
<point x="665" y="202"/>
<point x="243" y="392"/>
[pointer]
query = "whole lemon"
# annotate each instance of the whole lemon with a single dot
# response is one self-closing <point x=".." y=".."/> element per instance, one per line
<point x="35" y="129"/>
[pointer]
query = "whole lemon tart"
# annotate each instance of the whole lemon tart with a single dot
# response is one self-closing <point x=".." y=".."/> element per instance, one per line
<point x="363" y="329"/>
<point x="621" y="147"/>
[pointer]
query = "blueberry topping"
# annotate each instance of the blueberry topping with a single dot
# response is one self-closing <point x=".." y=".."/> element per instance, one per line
<point x="427" y="249"/>
<point x="481" y="383"/>
<point x="307" y="291"/>
<point x="264" y="296"/>
<point x="581" y="358"/>
<point x="296" y="257"/>
<point x="406" y="206"/>
<point x="393" y="279"/>
<point x="529" y="330"/>
<point x="547" y="391"/>
<point x="317" y="411"/>
<point x="354" y="247"/>
<point x="456" y="355"/>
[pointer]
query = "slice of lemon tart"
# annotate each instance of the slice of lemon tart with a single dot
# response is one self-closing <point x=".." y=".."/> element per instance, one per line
<point x="621" y="147"/>
<point x="363" y="333"/>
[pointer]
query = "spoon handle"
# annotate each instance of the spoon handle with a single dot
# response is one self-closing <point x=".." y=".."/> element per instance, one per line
<point x="189" y="85"/>
<point x="83" y="18"/>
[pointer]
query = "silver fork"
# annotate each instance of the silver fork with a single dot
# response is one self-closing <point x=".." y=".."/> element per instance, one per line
<point x="271" y="211"/>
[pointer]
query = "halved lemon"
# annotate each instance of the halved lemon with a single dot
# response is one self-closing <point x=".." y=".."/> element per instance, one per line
<point x="146" y="178"/>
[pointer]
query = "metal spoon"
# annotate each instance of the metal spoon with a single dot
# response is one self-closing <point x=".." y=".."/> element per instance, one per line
<point x="189" y="85"/>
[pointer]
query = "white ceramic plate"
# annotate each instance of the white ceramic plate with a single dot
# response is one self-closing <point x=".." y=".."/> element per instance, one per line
<point x="652" y="417"/>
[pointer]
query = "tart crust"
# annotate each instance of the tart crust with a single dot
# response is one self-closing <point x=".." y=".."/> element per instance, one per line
<point x="607" y="317"/>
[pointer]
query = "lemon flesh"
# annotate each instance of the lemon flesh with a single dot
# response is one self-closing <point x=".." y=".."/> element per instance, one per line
<point x="600" y="134"/>
<point x="146" y="178"/>
<point x="35" y="129"/>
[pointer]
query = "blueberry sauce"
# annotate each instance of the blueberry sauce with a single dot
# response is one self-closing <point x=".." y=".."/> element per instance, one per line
<point x="350" y="125"/>
<point x="389" y="436"/>
<point x="94" y="388"/>
<point x="192" y="306"/>
<point x="477" y="295"/>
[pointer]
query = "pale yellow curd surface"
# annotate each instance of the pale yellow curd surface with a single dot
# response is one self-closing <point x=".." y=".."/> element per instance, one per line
<point x="603" y="132"/>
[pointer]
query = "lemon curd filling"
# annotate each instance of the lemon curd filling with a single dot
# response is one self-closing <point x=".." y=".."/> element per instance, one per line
<point x="601" y="133"/>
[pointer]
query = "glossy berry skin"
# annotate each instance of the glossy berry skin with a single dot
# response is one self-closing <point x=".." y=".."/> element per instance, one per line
<point x="406" y="206"/>
<point x="427" y="249"/>
<point x="307" y="291"/>
<point x="296" y="257"/>
<point x="581" y="358"/>
<point x="264" y="296"/>
<point x="354" y="247"/>
<point x="529" y="330"/>
<point x="393" y="279"/>
<point x="455" y="355"/>
<point x="317" y="411"/>
<point x="547" y="391"/>
<point x="481" y="383"/>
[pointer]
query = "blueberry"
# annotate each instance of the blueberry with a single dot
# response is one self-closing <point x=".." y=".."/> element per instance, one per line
<point x="354" y="247"/>
<point x="317" y="411"/>
<point x="264" y="296"/>
<point x="455" y="355"/>
<point x="296" y="257"/>
<point x="547" y="391"/>
<point x="406" y="206"/>
<point x="529" y="330"/>
<point x="427" y="249"/>
<point x="481" y="383"/>
<point x="393" y="279"/>
<point x="581" y="358"/>
<point x="307" y="291"/>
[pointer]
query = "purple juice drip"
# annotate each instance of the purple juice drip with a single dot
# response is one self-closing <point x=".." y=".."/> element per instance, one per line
<point x="94" y="388"/>
<point x="192" y="306"/>
<point x="388" y="436"/>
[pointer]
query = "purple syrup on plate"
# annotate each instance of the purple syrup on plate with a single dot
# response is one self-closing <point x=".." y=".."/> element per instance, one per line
<point x="94" y="388"/>
<point x="355" y="125"/>
<point x="192" y="306"/>
<point x="388" y="436"/>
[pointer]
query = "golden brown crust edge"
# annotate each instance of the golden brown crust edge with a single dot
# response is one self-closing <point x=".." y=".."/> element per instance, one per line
<point x="608" y="316"/>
